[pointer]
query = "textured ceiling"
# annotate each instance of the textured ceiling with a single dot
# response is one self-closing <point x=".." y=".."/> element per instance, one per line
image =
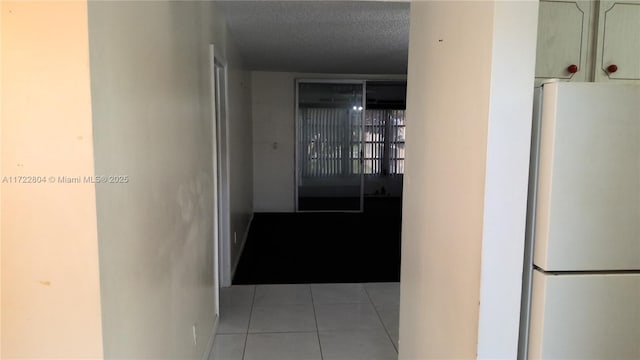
<point x="351" y="37"/>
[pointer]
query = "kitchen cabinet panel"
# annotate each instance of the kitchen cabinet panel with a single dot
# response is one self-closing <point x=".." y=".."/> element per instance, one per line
<point x="563" y="40"/>
<point x="618" y="41"/>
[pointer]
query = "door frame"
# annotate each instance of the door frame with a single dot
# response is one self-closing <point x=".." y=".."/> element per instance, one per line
<point x="220" y="146"/>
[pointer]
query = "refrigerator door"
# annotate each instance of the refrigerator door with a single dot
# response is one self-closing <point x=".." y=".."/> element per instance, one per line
<point x="588" y="200"/>
<point x="585" y="317"/>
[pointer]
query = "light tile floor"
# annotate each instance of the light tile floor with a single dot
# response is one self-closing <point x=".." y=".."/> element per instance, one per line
<point x="308" y="322"/>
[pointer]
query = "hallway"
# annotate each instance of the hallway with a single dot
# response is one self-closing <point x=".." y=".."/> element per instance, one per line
<point x="131" y="92"/>
<point x="308" y="322"/>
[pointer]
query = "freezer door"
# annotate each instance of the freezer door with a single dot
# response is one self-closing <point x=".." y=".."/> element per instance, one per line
<point x="585" y="317"/>
<point x="588" y="200"/>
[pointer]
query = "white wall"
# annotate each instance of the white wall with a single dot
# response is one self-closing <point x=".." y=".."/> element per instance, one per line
<point x="273" y="141"/>
<point x="241" y="155"/>
<point x="507" y="174"/>
<point x="50" y="301"/>
<point x="152" y="122"/>
<point x="274" y="136"/>
<point x="470" y="87"/>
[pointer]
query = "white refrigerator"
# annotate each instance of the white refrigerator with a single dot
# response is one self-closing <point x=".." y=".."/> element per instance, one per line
<point x="582" y="279"/>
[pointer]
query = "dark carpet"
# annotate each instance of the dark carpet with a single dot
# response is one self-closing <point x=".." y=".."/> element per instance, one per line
<point x="293" y="248"/>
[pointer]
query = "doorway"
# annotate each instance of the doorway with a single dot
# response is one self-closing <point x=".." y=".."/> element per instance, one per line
<point x="349" y="149"/>
<point x="350" y="138"/>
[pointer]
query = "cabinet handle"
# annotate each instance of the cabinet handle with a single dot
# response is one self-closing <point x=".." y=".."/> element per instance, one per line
<point x="572" y="69"/>
<point x="612" y="68"/>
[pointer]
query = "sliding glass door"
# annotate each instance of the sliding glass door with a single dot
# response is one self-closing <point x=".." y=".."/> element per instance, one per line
<point x="330" y="123"/>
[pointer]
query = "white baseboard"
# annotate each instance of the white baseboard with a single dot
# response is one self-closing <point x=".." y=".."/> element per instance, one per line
<point x="244" y="241"/>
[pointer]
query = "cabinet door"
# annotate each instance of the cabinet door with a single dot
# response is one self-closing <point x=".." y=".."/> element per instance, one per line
<point x="618" y="41"/>
<point x="563" y="38"/>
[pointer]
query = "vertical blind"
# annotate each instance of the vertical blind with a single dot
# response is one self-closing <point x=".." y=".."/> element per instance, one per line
<point x="332" y="142"/>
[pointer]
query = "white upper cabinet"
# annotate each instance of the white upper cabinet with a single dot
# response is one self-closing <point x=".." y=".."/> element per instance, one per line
<point x="618" y="50"/>
<point x="563" y="40"/>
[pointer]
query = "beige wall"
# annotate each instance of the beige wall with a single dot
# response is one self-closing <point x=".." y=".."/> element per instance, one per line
<point x="1" y="116"/>
<point x="152" y="119"/>
<point x="274" y="122"/>
<point x="447" y="107"/>
<point x="240" y="154"/>
<point x="470" y="91"/>
<point x="50" y="283"/>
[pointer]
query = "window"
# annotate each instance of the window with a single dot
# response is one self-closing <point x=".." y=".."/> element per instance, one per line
<point x="384" y="127"/>
<point x="396" y="141"/>
<point x="384" y="142"/>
